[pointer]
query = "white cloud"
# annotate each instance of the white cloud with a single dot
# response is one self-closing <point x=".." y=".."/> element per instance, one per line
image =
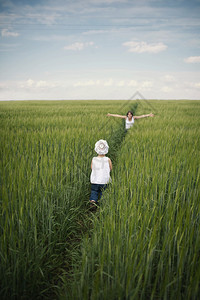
<point x="39" y="84"/>
<point x="75" y="46"/>
<point x="7" y="33"/>
<point x="194" y="85"/>
<point x="96" y="86"/>
<point x="166" y="89"/>
<point x="121" y="83"/>
<point x="87" y="83"/>
<point x="192" y="59"/>
<point x="78" y="46"/>
<point x="142" y="47"/>
<point x="30" y="82"/>
<point x="147" y="84"/>
<point x="42" y="84"/>
<point x="169" y="78"/>
<point x="109" y="82"/>
<point x="3" y="85"/>
<point x="132" y="83"/>
<point x="197" y="85"/>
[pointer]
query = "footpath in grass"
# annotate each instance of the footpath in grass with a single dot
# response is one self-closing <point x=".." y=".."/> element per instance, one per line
<point x="115" y="142"/>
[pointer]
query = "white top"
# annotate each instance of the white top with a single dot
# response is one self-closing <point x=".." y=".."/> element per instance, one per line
<point x="100" y="170"/>
<point x="129" y="124"/>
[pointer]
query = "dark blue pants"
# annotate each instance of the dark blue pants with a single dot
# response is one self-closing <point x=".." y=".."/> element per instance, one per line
<point x="96" y="191"/>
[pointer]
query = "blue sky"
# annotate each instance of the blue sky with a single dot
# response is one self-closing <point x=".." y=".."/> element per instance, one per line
<point x="99" y="49"/>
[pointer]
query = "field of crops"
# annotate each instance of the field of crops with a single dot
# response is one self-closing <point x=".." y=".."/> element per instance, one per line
<point x="144" y="240"/>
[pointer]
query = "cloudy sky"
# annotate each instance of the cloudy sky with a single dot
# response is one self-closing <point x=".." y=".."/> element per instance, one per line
<point x="99" y="49"/>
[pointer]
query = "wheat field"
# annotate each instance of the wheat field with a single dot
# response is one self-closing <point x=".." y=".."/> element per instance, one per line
<point x="142" y="243"/>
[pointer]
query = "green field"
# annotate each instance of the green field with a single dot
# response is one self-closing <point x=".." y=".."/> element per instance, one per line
<point x="144" y="240"/>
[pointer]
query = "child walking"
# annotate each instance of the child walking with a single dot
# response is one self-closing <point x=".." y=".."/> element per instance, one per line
<point x="100" y="175"/>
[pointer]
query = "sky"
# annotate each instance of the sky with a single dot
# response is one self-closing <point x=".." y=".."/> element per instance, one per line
<point x="99" y="49"/>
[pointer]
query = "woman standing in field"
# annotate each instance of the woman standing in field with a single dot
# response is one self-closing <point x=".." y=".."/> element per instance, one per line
<point x="130" y="118"/>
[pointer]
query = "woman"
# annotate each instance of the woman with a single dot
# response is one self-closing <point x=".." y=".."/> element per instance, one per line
<point x="130" y="118"/>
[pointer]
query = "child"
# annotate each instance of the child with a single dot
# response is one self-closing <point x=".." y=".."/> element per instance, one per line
<point x="101" y="167"/>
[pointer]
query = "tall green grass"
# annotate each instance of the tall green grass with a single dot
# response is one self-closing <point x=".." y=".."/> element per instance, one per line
<point x="46" y="151"/>
<point x="145" y="241"/>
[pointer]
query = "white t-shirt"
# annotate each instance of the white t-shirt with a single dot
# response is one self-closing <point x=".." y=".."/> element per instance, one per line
<point x="100" y="170"/>
<point x="129" y="124"/>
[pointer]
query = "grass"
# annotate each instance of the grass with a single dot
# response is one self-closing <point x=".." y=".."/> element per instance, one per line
<point x="143" y="242"/>
<point x="46" y="150"/>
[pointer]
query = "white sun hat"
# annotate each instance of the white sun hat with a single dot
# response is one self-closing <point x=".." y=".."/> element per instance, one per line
<point x="101" y="147"/>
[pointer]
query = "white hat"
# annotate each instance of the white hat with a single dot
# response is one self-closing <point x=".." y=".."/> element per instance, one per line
<point x="101" y="147"/>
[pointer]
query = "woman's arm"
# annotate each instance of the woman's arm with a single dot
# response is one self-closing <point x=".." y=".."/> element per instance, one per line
<point x="143" y="116"/>
<point x="118" y="116"/>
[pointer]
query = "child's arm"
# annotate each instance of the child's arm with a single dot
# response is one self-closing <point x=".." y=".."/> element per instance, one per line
<point x="118" y="116"/>
<point x="110" y="164"/>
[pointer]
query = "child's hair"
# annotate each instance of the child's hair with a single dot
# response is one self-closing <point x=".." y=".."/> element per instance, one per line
<point x="129" y="112"/>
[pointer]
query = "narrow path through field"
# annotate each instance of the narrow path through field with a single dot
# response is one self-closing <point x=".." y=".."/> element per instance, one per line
<point x="115" y="142"/>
